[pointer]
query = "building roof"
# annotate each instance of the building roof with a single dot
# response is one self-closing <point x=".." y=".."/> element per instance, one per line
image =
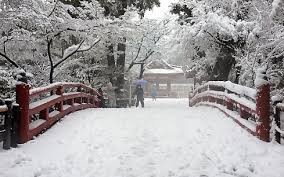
<point x="162" y="67"/>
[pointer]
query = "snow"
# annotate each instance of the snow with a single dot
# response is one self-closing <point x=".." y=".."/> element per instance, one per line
<point x="43" y="101"/>
<point x="165" y="139"/>
<point x="261" y="77"/>
<point x="50" y="86"/>
<point x="35" y="124"/>
<point x="275" y="6"/>
<point x="224" y="96"/>
<point x="3" y="108"/>
<point x="277" y="98"/>
<point x="53" y="113"/>
<point x="235" y="88"/>
<point x="164" y="71"/>
<point x="250" y="125"/>
<point x="160" y="12"/>
<point x="66" y="107"/>
<point x="70" y="50"/>
<point x="281" y="106"/>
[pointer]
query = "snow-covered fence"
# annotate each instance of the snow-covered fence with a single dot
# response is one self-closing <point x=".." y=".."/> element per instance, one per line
<point x="248" y="107"/>
<point x="42" y="107"/>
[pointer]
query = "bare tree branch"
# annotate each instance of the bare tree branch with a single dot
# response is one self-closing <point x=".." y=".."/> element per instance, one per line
<point x="9" y="60"/>
<point x="138" y="52"/>
<point x="148" y="55"/>
<point x="53" y="9"/>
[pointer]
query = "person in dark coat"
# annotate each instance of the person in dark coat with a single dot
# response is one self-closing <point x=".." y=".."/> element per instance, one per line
<point x="101" y="97"/>
<point x="140" y="95"/>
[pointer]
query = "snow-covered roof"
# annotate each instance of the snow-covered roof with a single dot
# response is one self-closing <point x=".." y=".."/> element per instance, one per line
<point x="162" y="67"/>
<point x="164" y="71"/>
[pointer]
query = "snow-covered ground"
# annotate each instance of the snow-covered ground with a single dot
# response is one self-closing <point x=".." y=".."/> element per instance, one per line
<point x="165" y="139"/>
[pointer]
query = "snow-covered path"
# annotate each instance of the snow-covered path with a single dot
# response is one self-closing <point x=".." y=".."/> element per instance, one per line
<point x="165" y="139"/>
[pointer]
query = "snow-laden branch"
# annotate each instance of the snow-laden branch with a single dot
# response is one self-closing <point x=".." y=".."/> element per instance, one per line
<point x="86" y="48"/>
<point x="138" y="52"/>
<point x="218" y="41"/>
<point x="69" y="52"/>
<point x="74" y="49"/>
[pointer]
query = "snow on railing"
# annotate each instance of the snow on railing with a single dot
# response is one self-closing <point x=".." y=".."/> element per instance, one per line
<point x="241" y="103"/>
<point x="42" y="107"/>
<point x="229" y="98"/>
<point x="230" y="87"/>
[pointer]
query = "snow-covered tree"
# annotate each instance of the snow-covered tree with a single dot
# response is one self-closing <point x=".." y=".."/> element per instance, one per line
<point x="229" y="40"/>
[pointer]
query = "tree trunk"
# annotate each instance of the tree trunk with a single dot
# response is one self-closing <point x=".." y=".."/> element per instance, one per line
<point x="121" y="63"/>
<point x="225" y="62"/>
<point x="111" y="63"/>
<point x="51" y="75"/>
<point x="141" y="71"/>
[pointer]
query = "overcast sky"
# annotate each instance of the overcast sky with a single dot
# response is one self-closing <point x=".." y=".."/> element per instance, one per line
<point x="159" y="12"/>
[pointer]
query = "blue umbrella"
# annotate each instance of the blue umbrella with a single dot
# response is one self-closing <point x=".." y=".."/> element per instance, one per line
<point x="141" y="82"/>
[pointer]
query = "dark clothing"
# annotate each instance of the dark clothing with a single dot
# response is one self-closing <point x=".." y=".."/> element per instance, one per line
<point x="139" y="92"/>
<point x="140" y="96"/>
<point x="141" y="101"/>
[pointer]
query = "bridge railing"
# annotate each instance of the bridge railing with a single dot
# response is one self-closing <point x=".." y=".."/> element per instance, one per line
<point x="238" y="102"/>
<point x="42" y="107"/>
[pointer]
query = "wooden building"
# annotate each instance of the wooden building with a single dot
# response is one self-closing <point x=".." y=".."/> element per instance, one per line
<point x="168" y="79"/>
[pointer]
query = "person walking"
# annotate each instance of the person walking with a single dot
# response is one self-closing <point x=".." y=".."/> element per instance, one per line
<point x="154" y="92"/>
<point x="111" y="95"/>
<point x="140" y="95"/>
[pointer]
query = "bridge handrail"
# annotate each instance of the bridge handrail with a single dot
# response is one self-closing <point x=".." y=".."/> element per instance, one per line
<point x="52" y="87"/>
<point x="252" y="105"/>
<point x="230" y="87"/>
<point x="241" y="102"/>
<point x="48" y="104"/>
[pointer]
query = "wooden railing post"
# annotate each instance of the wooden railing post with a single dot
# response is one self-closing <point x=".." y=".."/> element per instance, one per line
<point x="229" y="104"/>
<point x="59" y="91"/>
<point x="79" y="100"/>
<point x="92" y="98"/>
<point x="22" y="98"/>
<point x="243" y="113"/>
<point x="262" y="106"/>
<point x="43" y="114"/>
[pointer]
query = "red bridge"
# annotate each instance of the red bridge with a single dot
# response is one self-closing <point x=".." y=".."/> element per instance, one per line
<point x="166" y="138"/>
<point x="42" y="107"/>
